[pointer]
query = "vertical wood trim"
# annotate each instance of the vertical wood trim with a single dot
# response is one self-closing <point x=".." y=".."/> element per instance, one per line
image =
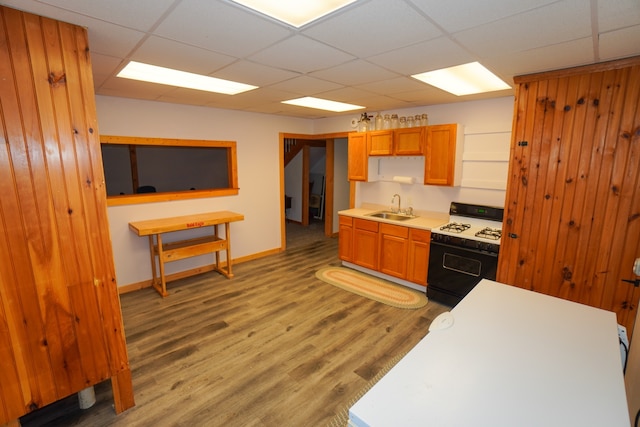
<point x="329" y="186"/>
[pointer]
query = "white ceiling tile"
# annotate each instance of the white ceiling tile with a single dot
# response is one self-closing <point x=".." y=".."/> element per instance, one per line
<point x="614" y="44"/>
<point x="103" y="67"/>
<point x="374" y="27"/>
<point x="616" y="14"/>
<point x="354" y="72"/>
<point x="220" y="27"/>
<point x="254" y="74"/>
<point x="426" y="56"/>
<point x="305" y="85"/>
<point x="530" y="30"/>
<point x="389" y="87"/>
<point x="457" y="15"/>
<point x="168" y="53"/>
<point x="139" y="14"/>
<point x="316" y="56"/>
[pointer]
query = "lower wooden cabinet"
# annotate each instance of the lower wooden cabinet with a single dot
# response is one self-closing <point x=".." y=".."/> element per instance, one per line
<point x="394" y="243"/>
<point x="395" y="250"/>
<point x="418" y="262"/>
<point x="345" y="239"/>
<point x="365" y="243"/>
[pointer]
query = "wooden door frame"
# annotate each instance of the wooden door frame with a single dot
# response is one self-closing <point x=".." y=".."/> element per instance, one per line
<point x="329" y="181"/>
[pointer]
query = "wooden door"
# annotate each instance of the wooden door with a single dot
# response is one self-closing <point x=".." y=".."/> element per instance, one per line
<point x="345" y="238"/>
<point x="572" y="214"/>
<point x="60" y="321"/>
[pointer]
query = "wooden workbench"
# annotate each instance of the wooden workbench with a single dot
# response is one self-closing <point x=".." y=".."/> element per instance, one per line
<point x="174" y="251"/>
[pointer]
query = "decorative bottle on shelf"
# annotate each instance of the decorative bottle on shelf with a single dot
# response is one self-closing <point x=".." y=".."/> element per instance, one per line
<point x="378" y="121"/>
<point x="424" y="120"/>
<point x="363" y="124"/>
<point x="402" y="123"/>
<point x="394" y="121"/>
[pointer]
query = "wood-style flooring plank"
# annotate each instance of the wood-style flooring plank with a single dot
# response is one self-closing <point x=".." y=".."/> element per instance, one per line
<point x="274" y="346"/>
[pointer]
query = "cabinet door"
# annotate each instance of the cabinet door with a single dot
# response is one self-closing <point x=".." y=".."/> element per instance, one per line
<point x="365" y="243"/>
<point x="418" y="263"/>
<point x="440" y="155"/>
<point x="393" y="250"/>
<point x="409" y="142"/>
<point x="357" y="157"/>
<point x="380" y="142"/>
<point x="345" y="238"/>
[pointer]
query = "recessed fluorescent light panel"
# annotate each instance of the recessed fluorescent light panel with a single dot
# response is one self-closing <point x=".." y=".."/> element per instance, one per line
<point x="465" y="79"/>
<point x="167" y="76"/>
<point x="295" y="12"/>
<point x="322" y="104"/>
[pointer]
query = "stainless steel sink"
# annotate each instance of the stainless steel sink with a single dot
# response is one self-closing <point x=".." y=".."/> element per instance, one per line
<point x="391" y="216"/>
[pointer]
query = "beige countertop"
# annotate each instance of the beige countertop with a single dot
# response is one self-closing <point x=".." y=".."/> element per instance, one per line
<point x="425" y="220"/>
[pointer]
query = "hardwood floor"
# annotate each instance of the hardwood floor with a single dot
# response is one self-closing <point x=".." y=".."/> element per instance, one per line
<point x="273" y="346"/>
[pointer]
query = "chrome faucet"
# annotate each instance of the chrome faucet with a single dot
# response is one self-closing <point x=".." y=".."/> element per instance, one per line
<point x="394" y="197"/>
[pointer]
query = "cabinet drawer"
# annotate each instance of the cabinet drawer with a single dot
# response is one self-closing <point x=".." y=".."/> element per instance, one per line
<point x="423" y="236"/>
<point x="364" y="224"/>
<point x="394" y="230"/>
<point x="346" y="220"/>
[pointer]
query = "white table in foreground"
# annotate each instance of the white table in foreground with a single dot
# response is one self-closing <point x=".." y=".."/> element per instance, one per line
<point x="512" y="358"/>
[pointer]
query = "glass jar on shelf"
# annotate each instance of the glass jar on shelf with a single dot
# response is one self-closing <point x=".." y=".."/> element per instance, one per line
<point x="386" y="122"/>
<point x="402" y="122"/>
<point x="424" y="120"/>
<point x="378" y="121"/>
<point x="394" y="121"/>
<point x="364" y="123"/>
<point x="410" y="121"/>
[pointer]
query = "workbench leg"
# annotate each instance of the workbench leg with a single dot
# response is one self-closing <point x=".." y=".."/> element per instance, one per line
<point x="217" y="253"/>
<point x="162" y="289"/>
<point x="152" y="251"/>
<point x="227" y="237"/>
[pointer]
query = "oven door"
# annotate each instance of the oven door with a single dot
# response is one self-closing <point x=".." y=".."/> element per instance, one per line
<point x="454" y="271"/>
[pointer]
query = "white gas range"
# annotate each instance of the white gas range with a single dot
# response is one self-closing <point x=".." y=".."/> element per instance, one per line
<point x="463" y="251"/>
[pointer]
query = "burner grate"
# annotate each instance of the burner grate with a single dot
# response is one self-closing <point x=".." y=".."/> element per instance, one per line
<point x="455" y="227"/>
<point x="490" y="233"/>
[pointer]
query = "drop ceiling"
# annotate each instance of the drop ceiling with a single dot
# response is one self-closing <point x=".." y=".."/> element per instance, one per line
<point x="363" y="54"/>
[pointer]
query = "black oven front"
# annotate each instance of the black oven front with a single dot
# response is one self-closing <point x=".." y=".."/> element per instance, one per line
<point x="455" y="270"/>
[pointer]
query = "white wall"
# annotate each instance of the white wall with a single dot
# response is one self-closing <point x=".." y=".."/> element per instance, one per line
<point x="257" y="137"/>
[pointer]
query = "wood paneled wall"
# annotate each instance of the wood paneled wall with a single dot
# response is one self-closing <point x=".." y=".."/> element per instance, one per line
<point x="60" y="321"/>
<point x="572" y="217"/>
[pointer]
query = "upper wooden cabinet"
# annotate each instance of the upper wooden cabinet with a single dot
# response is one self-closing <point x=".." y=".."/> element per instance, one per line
<point x="443" y="155"/>
<point x="396" y="142"/>
<point x="61" y="327"/>
<point x="357" y="163"/>
<point x="409" y="141"/>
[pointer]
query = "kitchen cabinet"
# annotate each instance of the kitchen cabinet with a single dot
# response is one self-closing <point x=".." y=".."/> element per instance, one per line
<point x="443" y="155"/>
<point x="345" y="238"/>
<point x="61" y="327"/>
<point x="572" y="211"/>
<point x="395" y="250"/>
<point x="380" y="142"/>
<point x="397" y="142"/>
<point x="393" y="242"/>
<point x="409" y="141"/>
<point x="357" y="159"/>
<point x="418" y="256"/>
<point x="365" y="243"/>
